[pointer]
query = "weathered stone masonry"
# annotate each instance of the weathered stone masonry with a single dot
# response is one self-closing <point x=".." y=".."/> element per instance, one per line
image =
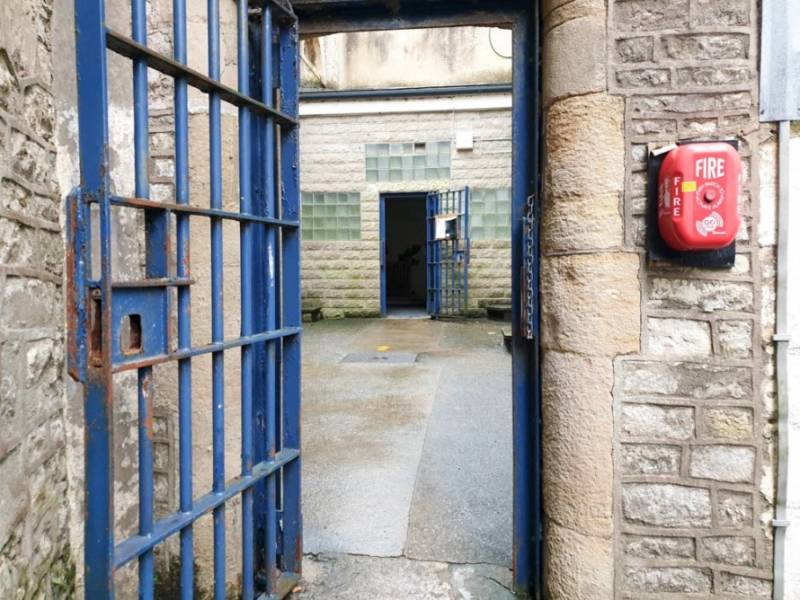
<point x="35" y="558"/>
<point x="684" y="353"/>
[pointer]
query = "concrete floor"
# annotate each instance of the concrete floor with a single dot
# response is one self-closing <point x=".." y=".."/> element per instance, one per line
<point x="406" y="466"/>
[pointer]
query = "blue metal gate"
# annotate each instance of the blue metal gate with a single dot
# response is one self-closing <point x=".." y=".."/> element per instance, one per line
<point x="117" y="326"/>
<point x="448" y="253"/>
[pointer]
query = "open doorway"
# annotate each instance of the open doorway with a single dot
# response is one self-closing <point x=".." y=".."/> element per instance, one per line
<point x="408" y="448"/>
<point x="404" y="242"/>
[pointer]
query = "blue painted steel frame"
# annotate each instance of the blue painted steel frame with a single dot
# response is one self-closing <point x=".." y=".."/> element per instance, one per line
<point x="524" y="18"/>
<point x="270" y="335"/>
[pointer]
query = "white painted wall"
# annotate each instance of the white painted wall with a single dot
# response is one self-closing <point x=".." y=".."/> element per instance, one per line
<point x="408" y="58"/>
<point x="793" y="533"/>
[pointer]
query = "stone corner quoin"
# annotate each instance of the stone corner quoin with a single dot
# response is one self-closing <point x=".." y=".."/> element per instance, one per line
<point x="666" y="366"/>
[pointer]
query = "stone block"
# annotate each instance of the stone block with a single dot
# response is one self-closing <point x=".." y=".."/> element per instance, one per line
<point x="713" y="76"/>
<point x="580" y="45"/>
<point x="656" y="547"/>
<point x="634" y="50"/>
<point x="650" y="15"/>
<point x="577" y="440"/>
<point x="666" y="505"/>
<point x="591" y="303"/>
<point x="9" y="85"/>
<point x="583" y="223"/>
<point x="678" y="337"/>
<point x="729" y="550"/>
<point x="749" y="587"/>
<point x="578" y="567"/>
<point x="734" y="510"/>
<point x="38" y="111"/>
<point x="700" y="381"/>
<point x="715" y="13"/>
<point x="657" y="127"/>
<point x="728" y="422"/>
<point x="642" y="78"/>
<point x="708" y="296"/>
<point x="723" y="463"/>
<point x="690" y="103"/>
<point x="27" y="303"/>
<point x="657" y="422"/>
<point x="579" y="127"/>
<point x="705" y="46"/>
<point x="673" y="580"/>
<point x="650" y="459"/>
<point x="30" y="160"/>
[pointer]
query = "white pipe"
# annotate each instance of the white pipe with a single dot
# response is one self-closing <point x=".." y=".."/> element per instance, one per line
<point x="781" y="339"/>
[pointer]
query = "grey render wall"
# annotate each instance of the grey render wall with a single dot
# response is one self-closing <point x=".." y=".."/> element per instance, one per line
<point x="344" y="277"/>
<point x="35" y="556"/>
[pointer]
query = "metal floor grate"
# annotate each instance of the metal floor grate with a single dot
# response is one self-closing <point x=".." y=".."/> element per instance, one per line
<point x="382" y="358"/>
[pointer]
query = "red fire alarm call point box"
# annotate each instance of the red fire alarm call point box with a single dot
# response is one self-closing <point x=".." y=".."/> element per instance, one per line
<point x="698" y="196"/>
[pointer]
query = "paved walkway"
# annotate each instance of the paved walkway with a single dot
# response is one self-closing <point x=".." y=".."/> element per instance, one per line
<point x="406" y="466"/>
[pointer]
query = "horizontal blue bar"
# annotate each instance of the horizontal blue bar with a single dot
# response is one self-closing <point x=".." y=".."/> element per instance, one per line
<point x="201" y="212"/>
<point x="266" y="336"/>
<point x="125" y="46"/>
<point x="138" y="544"/>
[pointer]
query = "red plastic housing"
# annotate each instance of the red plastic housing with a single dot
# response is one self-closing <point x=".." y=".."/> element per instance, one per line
<point x="698" y="192"/>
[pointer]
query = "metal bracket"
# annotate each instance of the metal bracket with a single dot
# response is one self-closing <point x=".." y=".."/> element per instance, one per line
<point x="781" y="523"/>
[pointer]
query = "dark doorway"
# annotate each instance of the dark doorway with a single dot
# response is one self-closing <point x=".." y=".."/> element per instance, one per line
<point x="404" y="248"/>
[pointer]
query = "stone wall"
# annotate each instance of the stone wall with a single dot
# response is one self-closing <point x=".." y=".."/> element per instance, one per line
<point x="35" y="556"/>
<point x="672" y="364"/>
<point x="792" y="565"/>
<point x="344" y="277"/>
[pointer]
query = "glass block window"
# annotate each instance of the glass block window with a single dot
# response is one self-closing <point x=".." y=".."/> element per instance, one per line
<point x="408" y="162"/>
<point x="490" y="214"/>
<point x="331" y="216"/>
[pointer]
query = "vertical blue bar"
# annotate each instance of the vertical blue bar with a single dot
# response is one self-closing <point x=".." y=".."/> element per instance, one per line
<point x="156" y="261"/>
<point x="217" y="313"/>
<point x="527" y="509"/>
<point x="184" y="297"/>
<point x="384" y="307"/>
<point x="90" y="40"/>
<point x="290" y="286"/>
<point x="467" y="246"/>
<point x="246" y="265"/>
<point x="145" y="383"/>
<point x="259" y="277"/>
<point x="267" y="96"/>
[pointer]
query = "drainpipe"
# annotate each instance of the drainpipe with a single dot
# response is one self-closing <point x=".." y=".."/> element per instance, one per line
<point x="781" y="339"/>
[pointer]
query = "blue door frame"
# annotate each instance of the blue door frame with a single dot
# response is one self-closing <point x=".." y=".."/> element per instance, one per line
<point x="523" y="17"/>
<point x="268" y="484"/>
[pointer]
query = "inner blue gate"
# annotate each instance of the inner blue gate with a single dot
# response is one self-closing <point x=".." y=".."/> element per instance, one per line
<point x="448" y="253"/>
<point x="117" y="326"/>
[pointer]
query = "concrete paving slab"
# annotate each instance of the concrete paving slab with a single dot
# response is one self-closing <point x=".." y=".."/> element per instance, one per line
<point x="346" y="577"/>
<point x="370" y="489"/>
<point x="462" y="505"/>
<point x="364" y="431"/>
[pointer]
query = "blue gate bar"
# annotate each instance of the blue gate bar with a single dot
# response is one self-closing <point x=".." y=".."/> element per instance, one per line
<point x="292" y="546"/>
<point x="155" y="238"/>
<point x="270" y="210"/>
<point x="270" y="254"/>
<point x="202" y="212"/>
<point x="217" y="312"/>
<point x="91" y="360"/>
<point x="246" y="270"/>
<point x="184" y="298"/>
<point x="132" y="547"/>
<point x="129" y="48"/>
